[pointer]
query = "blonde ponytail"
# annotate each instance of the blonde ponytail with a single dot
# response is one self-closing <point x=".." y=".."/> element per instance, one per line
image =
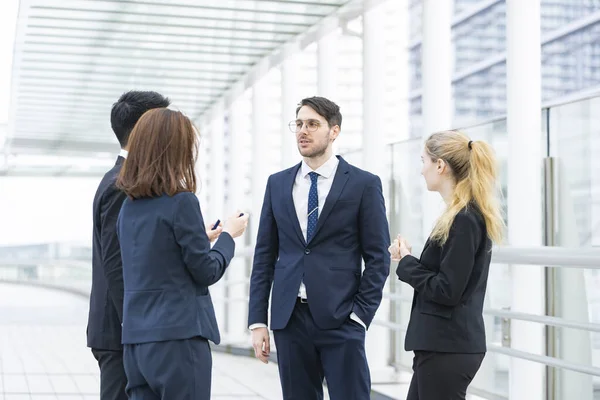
<point x="473" y="165"/>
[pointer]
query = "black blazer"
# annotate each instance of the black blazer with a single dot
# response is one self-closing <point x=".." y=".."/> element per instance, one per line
<point x="450" y="283"/>
<point x="168" y="265"/>
<point x="106" y="298"/>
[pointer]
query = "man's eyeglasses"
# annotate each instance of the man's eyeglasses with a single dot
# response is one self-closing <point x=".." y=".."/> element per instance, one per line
<point x="311" y="125"/>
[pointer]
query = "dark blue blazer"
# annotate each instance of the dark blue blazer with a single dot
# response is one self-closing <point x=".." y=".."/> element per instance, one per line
<point x="352" y="227"/>
<point x="168" y="265"/>
<point x="106" y="298"/>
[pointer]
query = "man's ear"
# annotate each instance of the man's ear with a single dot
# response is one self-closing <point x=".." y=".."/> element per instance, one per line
<point x="335" y="131"/>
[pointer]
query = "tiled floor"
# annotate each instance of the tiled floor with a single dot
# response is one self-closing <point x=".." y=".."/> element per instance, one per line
<point x="43" y="353"/>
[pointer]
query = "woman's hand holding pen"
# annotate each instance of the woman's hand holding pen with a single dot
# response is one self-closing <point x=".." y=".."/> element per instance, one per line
<point x="400" y="248"/>
<point x="213" y="231"/>
<point x="236" y="224"/>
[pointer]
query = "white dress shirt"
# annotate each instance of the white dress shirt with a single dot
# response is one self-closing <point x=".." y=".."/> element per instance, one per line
<point x="123" y="153"/>
<point x="300" y="196"/>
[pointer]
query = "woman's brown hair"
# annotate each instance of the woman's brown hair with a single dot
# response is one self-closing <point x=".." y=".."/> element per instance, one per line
<point x="163" y="147"/>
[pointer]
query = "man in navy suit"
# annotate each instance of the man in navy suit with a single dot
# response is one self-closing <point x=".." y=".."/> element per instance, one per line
<point x="319" y="220"/>
<point x="106" y="298"/>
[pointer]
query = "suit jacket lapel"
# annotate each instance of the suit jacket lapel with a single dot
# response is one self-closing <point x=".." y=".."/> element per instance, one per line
<point x="426" y="245"/>
<point x="288" y="198"/>
<point x="339" y="181"/>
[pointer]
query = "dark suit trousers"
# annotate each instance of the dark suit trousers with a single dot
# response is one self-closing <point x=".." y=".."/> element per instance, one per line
<point x="442" y="376"/>
<point x="112" y="374"/>
<point x="306" y="354"/>
<point x="170" y="370"/>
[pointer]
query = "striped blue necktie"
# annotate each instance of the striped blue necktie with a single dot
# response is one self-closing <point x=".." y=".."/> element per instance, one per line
<point x="313" y="206"/>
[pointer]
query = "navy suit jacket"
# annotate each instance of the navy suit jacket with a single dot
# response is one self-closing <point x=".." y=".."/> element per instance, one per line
<point x="352" y="227"/>
<point x="106" y="298"/>
<point x="168" y="265"/>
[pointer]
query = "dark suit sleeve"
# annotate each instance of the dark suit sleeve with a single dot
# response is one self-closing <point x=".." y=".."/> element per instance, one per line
<point x="206" y="265"/>
<point x="457" y="259"/>
<point x="265" y="255"/>
<point x="110" y="204"/>
<point x="375" y="241"/>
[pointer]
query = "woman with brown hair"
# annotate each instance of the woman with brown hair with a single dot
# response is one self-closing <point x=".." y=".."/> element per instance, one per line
<point x="168" y="263"/>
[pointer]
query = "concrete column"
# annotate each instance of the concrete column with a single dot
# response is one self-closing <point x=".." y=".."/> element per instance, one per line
<point x="259" y="161"/>
<point x="403" y="220"/>
<point x="437" y="106"/>
<point x="373" y="90"/>
<point x="523" y="73"/>
<point x="378" y="338"/>
<point x="237" y="311"/>
<point x="327" y="49"/>
<point x="216" y="188"/>
<point x="289" y="102"/>
<point x="201" y="168"/>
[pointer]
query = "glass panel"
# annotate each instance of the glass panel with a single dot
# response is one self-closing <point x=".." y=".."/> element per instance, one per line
<point x="480" y="96"/>
<point x="571" y="63"/>
<point x="416" y="18"/>
<point x="557" y="14"/>
<point x="415" y="78"/>
<point x="464" y="5"/>
<point x="480" y="36"/>
<point x="575" y="144"/>
<point x="407" y="190"/>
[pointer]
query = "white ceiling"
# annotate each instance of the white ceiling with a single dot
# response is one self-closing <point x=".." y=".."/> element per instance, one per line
<point x="74" y="58"/>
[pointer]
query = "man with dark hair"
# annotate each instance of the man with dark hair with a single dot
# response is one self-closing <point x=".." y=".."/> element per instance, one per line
<point x="320" y="219"/>
<point x="106" y="299"/>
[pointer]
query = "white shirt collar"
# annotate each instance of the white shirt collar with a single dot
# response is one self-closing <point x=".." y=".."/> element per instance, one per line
<point x="123" y="153"/>
<point x="326" y="170"/>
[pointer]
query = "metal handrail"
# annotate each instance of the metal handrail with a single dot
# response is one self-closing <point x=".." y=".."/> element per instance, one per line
<point x="391" y="325"/>
<point x="543" y="319"/>
<point x="550" y="361"/>
<point x="588" y="258"/>
<point x="398" y="297"/>
<point x="568" y="257"/>
<point x="10" y="262"/>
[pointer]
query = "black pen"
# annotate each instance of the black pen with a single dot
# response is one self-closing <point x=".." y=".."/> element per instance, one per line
<point x="219" y="221"/>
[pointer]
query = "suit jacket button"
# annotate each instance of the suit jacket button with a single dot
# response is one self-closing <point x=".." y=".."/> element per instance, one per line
<point x="307" y="251"/>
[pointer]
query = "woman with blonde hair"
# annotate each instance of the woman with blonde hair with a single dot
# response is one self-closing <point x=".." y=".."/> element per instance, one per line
<point x="168" y="263"/>
<point x="446" y="329"/>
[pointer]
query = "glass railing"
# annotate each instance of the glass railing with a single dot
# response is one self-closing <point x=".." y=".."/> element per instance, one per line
<point x="61" y="266"/>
